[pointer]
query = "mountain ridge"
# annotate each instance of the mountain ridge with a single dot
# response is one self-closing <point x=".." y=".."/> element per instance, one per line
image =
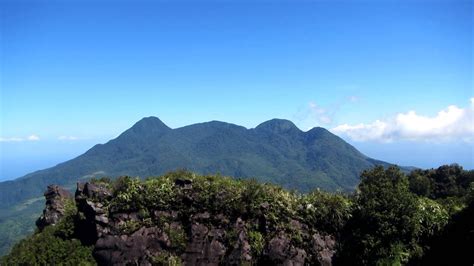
<point x="150" y="134"/>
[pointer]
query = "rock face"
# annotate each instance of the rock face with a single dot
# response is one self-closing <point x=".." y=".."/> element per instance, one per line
<point x="281" y="252"/>
<point x="136" y="248"/>
<point x="324" y="246"/>
<point x="205" y="246"/>
<point x="56" y="200"/>
<point x="90" y="199"/>
<point x="161" y="237"/>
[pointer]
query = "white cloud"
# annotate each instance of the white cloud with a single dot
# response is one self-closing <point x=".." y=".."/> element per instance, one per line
<point x="320" y="114"/>
<point x="312" y="115"/>
<point x="450" y="123"/>
<point x="20" y="139"/>
<point x="67" y="138"/>
<point x="33" y="138"/>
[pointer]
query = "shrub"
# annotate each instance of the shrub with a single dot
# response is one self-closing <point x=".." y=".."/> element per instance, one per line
<point x="325" y="211"/>
<point x="257" y="242"/>
<point x="54" y="245"/>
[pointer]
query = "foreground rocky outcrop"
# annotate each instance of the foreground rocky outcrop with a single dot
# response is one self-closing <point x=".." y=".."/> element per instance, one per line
<point x="200" y="238"/>
<point x="184" y="219"/>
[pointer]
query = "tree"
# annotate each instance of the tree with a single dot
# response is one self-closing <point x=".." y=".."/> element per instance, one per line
<point x="420" y="183"/>
<point x="384" y="227"/>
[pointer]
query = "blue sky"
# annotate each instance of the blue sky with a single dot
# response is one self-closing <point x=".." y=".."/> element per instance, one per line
<point x="76" y="73"/>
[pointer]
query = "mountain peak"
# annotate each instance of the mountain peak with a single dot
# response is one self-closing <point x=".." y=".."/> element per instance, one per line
<point x="319" y="131"/>
<point x="152" y="123"/>
<point x="278" y="125"/>
<point x="151" y="120"/>
<point x="148" y="126"/>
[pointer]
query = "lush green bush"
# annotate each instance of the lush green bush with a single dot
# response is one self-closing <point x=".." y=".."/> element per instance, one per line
<point x="444" y="182"/>
<point x="385" y="223"/>
<point x="394" y="221"/>
<point x="431" y="216"/>
<point x="257" y="242"/>
<point x="327" y="212"/>
<point x="456" y="239"/>
<point x="55" y="245"/>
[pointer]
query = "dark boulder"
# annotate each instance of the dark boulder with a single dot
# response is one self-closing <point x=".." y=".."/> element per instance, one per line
<point x="56" y="200"/>
<point x="205" y="246"/>
<point x="280" y="251"/>
<point x="89" y="201"/>
<point x="136" y="249"/>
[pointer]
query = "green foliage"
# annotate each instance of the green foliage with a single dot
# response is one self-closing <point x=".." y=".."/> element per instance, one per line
<point x="274" y="204"/>
<point x="130" y="226"/>
<point x="421" y="184"/>
<point x="215" y="193"/>
<point x="65" y="227"/>
<point x="257" y="242"/>
<point x="328" y="212"/>
<point x="448" y="185"/>
<point x="444" y="182"/>
<point x="102" y="181"/>
<point x="231" y="237"/>
<point x="396" y="217"/>
<point x="54" y="245"/>
<point x="46" y="249"/>
<point x="470" y="193"/>
<point x="385" y="220"/>
<point x="432" y="217"/>
<point x="166" y="259"/>
<point x="394" y="256"/>
<point x="159" y="191"/>
<point x="456" y="239"/>
<point x="177" y="237"/>
<point x="127" y="194"/>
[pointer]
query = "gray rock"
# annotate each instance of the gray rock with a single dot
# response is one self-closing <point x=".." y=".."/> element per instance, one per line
<point x="324" y="247"/>
<point x="56" y="199"/>
<point x="134" y="249"/>
<point x="241" y="251"/>
<point x="205" y="246"/>
<point x="279" y="251"/>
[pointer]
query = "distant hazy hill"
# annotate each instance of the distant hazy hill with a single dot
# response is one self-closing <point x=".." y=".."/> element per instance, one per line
<point x="275" y="151"/>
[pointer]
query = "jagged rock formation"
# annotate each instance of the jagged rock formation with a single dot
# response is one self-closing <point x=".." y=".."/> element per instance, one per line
<point x="188" y="231"/>
<point x="56" y="200"/>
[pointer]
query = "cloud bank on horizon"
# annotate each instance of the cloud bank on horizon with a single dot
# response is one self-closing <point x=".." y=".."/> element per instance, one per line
<point x="451" y="123"/>
<point x="20" y="139"/>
